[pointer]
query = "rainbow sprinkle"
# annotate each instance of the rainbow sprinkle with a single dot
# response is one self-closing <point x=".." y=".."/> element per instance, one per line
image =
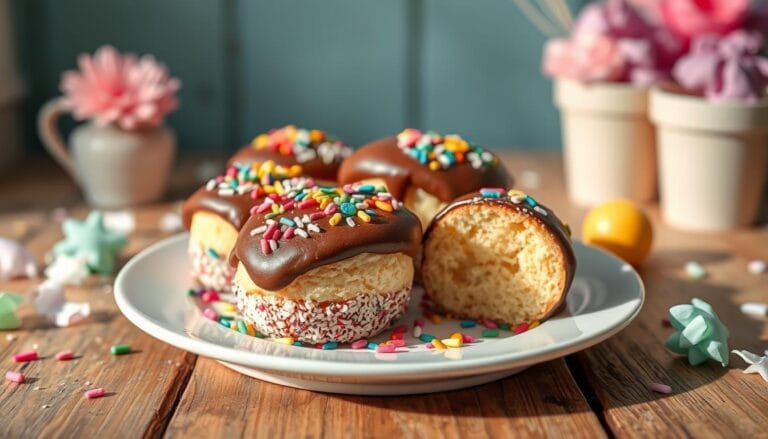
<point x="258" y="179"/>
<point x="442" y="152"/>
<point x="351" y="205"/>
<point x="303" y="144"/>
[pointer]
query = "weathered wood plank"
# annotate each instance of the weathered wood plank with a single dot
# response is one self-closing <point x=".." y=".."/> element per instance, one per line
<point x="142" y="387"/>
<point x="542" y="401"/>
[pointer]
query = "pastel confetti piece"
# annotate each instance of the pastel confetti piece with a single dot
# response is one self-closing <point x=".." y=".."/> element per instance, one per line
<point x="68" y="270"/>
<point x="754" y="309"/>
<point x="8" y="304"/>
<point x="699" y="334"/>
<point x="15" y="260"/>
<point x="757" y="267"/>
<point x="91" y="239"/>
<point x="49" y="301"/>
<point x="757" y="364"/>
<point x="695" y="270"/>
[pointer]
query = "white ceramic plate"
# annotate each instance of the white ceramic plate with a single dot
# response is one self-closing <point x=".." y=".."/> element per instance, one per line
<point x="606" y="295"/>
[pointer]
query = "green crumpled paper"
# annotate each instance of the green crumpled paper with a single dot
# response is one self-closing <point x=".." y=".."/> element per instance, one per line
<point x="92" y="240"/>
<point x="8" y="304"/>
<point x="699" y="334"/>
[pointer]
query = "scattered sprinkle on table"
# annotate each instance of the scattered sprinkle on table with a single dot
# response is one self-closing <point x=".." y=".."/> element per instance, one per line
<point x="65" y="356"/>
<point x="660" y="388"/>
<point x="16" y="377"/>
<point x="490" y="333"/>
<point x="757" y="266"/>
<point x="754" y="309"/>
<point x="695" y="270"/>
<point x="120" y="349"/>
<point x="95" y="393"/>
<point x="25" y="356"/>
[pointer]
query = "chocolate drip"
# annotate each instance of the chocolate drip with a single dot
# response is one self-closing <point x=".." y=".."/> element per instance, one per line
<point x="232" y="208"/>
<point x="387" y="233"/>
<point x="383" y="159"/>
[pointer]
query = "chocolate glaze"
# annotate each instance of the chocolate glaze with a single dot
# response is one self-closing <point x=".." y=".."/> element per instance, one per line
<point x="383" y="159"/>
<point x="550" y="221"/>
<point x="314" y="168"/>
<point x="387" y="233"/>
<point x="232" y="208"/>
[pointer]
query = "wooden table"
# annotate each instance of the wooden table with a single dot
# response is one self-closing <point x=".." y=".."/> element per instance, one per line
<point x="599" y="392"/>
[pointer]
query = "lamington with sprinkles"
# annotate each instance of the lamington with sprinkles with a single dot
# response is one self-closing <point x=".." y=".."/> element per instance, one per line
<point x="426" y="170"/>
<point x="215" y="213"/>
<point x="498" y="255"/>
<point x="318" y="152"/>
<point x="335" y="265"/>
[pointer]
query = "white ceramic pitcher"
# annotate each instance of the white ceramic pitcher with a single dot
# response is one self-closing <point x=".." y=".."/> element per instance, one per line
<point x="115" y="168"/>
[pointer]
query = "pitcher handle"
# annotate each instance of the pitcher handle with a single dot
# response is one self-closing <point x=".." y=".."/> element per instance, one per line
<point x="48" y="131"/>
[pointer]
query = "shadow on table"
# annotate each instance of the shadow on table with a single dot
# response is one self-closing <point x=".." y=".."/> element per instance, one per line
<point x="541" y="390"/>
<point x="664" y="260"/>
<point x="616" y="373"/>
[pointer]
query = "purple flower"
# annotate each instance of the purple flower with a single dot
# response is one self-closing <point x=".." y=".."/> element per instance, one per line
<point x="726" y="68"/>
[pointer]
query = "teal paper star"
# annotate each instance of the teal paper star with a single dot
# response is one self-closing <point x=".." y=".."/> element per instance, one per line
<point x="91" y="239"/>
<point x="8" y="304"/>
<point x="699" y="334"/>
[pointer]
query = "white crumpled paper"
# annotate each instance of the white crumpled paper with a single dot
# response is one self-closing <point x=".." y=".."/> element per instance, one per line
<point x="68" y="270"/>
<point x="757" y="364"/>
<point x="49" y="300"/>
<point x="15" y="260"/>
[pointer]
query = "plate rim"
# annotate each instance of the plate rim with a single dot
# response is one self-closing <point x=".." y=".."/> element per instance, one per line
<point x="277" y="363"/>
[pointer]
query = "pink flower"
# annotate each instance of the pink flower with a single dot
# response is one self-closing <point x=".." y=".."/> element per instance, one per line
<point x="692" y="18"/>
<point x="623" y="46"/>
<point x="725" y="69"/>
<point x="128" y="91"/>
<point x="588" y="58"/>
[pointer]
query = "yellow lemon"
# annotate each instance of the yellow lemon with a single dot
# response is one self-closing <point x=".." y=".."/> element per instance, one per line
<point x="620" y="227"/>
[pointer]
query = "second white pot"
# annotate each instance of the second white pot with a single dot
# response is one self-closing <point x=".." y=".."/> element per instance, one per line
<point x="609" y="143"/>
<point x="713" y="160"/>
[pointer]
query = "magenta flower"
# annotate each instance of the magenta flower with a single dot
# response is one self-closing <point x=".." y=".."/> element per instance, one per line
<point x="125" y="90"/>
<point x="693" y="18"/>
<point x="725" y="69"/>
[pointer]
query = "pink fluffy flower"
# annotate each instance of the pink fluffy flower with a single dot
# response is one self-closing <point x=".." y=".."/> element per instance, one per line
<point x="121" y="89"/>
<point x="725" y="69"/>
<point x="692" y="18"/>
<point x="588" y="58"/>
<point x="624" y="45"/>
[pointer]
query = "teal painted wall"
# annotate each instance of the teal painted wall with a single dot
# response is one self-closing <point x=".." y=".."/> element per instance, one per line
<point x="358" y="68"/>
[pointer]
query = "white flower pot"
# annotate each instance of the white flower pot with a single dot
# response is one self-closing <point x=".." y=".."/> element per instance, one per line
<point x="609" y="143"/>
<point x="115" y="168"/>
<point x="713" y="160"/>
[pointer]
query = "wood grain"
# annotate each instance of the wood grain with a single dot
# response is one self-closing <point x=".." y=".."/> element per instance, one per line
<point x="161" y="390"/>
<point x="142" y="387"/>
<point x="542" y="401"/>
